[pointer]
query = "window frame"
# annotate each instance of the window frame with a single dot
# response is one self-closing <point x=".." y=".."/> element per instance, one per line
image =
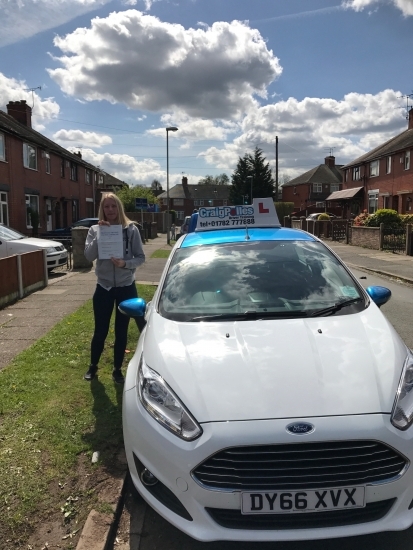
<point x="48" y="165"/>
<point x="356" y="173"/>
<point x="373" y="195"/>
<point x="374" y="168"/>
<point x="317" y="187"/>
<point x="4" y="201"/>
<point x="388" y="165"/>
<point x="2" y="147"/>
<point x="73" y="171"/>
<point x="334" y="187"/>
<point x="407" y="160"/>
<point x="27" y="157"/>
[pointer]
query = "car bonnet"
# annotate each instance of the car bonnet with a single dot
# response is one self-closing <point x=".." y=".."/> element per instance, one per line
<point x="288" y="368"/>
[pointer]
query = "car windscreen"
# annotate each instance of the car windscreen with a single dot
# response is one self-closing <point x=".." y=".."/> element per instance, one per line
<point x="257" y="280"/>
<point x="8" y="234"/>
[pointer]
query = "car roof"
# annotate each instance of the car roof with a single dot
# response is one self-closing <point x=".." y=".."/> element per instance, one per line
<point x="242" y="235"/>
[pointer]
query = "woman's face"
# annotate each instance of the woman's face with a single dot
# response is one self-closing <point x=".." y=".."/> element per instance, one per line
<point x="110" y="209"/>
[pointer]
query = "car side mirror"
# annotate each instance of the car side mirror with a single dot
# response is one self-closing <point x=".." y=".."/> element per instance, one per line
<point x="379" y="294"/>
<point x="134" y="307"/>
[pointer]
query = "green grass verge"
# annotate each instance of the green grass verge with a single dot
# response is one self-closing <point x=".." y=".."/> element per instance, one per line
<point x="161" y="253"/>
<point x="49" y="416"/>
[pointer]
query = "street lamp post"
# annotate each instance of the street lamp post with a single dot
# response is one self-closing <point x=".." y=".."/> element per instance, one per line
<point x="168" y="129"/>
<point x="252" y="179"/>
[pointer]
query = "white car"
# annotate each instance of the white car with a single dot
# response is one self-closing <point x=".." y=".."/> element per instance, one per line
<point x="12" y="242"/>
<point x="269" y="399"/>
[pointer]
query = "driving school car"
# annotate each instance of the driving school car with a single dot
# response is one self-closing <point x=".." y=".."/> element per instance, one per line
<point x="269" y="398"/>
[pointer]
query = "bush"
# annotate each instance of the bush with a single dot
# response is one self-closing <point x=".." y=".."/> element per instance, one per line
<point x="283" y="209"/>
<point x="323" y="216"/>
<point x="361" y="219"/>
<point x="407" y="219"/>
<point x="390" y="218"/>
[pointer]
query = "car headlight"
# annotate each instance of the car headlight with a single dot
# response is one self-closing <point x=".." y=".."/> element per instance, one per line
<point x="164" y="406"/>
<point x="402" y="414"/>
<point x="51" y="250"/>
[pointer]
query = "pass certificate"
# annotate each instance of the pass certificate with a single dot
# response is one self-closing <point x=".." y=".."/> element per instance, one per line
<point x="110" y="242"/>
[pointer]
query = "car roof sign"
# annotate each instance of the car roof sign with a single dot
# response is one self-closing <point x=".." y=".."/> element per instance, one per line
<point x="261" y="213"/>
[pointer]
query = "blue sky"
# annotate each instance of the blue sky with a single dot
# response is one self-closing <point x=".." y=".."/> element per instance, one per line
<point x="323" y="76"/>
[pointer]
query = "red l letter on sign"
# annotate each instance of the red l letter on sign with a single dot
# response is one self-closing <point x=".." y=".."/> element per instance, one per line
<point x="261" y="208"/>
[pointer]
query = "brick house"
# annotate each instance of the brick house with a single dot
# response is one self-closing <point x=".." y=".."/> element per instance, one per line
<point x="310" y="190"/>
<point x="39" y="174"/>
<point x="385" y="174"/>
<point x="184" y="198"/>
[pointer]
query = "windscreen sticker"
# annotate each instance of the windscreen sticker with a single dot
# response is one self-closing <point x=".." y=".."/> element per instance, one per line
<point x="349" y="291"/>
<point x="259" y="214"/>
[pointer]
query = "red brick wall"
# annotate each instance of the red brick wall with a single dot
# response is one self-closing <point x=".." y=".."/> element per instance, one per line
<point x="17" y="177"/>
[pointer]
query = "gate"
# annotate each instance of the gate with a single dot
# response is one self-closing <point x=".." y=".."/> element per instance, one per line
<point x="394" y="239"/>
<point x="339" y="230"/>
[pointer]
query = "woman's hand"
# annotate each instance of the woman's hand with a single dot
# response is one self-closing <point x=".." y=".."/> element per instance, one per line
<point x="103" y="222"/>
<point x="118" y="262"/>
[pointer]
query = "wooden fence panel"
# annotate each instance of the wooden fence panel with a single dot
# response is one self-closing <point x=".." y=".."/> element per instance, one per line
<point x="32" y="268"/>
<point x="9" y="281"/>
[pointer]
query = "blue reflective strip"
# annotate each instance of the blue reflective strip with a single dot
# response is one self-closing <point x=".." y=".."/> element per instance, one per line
<point x="238" y="235"/>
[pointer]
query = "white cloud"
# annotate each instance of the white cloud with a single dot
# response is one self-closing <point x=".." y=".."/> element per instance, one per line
<point x="307" y="129"/>
<point x="405" y="6"/>
<point x="17" y="90"/>
<point x="26" y="18"/>
<point x="148" y="64"/>
<point x="128" y="169"/>
<point x="81" y="139"/>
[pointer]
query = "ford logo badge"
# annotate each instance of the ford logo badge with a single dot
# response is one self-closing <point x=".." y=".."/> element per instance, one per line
<point x="300" y="428"/>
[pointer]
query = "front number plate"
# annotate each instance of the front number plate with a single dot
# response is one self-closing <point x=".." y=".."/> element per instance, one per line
<point x="314" y="500"/>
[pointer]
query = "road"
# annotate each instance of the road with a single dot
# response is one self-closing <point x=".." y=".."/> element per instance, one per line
<point x="140" y="528"/>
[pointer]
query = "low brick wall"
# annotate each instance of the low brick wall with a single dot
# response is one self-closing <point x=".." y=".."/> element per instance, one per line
<point x="367" y="237"/>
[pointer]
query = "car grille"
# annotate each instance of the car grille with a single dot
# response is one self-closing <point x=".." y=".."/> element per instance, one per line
<point x="300" y="466"/>
<point x="233" y="519"/>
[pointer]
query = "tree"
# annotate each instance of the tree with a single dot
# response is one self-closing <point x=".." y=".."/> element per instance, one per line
<point x="156" y="185"/>
<point x="222" y="179"/>
<point x="262" y="181"/>
<point x="128" y="195"/>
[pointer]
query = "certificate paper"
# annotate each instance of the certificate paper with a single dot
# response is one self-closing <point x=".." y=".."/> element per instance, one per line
<point x="110" y="242"/>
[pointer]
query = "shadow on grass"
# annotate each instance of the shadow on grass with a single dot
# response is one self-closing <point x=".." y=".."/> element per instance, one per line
<point x="107" y="436"/>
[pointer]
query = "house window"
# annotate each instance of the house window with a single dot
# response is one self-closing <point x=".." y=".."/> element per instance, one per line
<point x="29" y="156"/>
<point x="317" y="187"/>
<point x="224" y="203"/>
<point x="374" y="168"/>
<point x="165" y="202"/>
<point x="407" y="160"/>
<point x="4" y="210"/>
<point x="356" y="173"/>
<point x="346" y="175"/>
<point x="87" y="177"/>
<point x="373" y="201"/>
<point x="178" y="202"/>
<point x="180" y="215"/>
<point x="73" y="171"/>
<point x="320" y="204"/>
<point x="388" y="165"/>
<point x="210" y="203"/>
<point x="47" y="162"/>
<point x="62" y="168"/>
<point x="100" y="182"/>
<point x="334" y="187"/>
<point x="2" y="148"/>
<point x="32" y="203"/>
<point x="198" y="203"/>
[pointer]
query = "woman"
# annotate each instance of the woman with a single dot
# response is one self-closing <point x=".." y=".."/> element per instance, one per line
<point x="115" y="283"/>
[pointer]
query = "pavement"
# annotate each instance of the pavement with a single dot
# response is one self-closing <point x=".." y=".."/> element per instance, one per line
<point x="24" y="322"/>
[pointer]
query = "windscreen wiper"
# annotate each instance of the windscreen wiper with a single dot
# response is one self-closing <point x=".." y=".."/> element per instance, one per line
<point x="335" y="307"/>
<point x="250" y="315"/>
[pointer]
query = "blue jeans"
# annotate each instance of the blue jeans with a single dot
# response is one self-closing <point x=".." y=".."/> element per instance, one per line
<point x="103" y="302"/>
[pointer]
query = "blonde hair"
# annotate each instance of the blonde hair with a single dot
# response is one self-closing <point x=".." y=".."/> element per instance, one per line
<point x="122" y="219"/>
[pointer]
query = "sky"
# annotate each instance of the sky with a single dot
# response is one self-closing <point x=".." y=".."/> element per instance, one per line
<point x="107" y="77"/>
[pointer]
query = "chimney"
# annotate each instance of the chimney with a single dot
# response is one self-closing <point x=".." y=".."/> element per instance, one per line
<point x="330" y="161"/>
<point x="79" y="154"/>
<point x="21" y="112"/>
<point x="411" y="119"/>
<point x="185" y="187"/>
